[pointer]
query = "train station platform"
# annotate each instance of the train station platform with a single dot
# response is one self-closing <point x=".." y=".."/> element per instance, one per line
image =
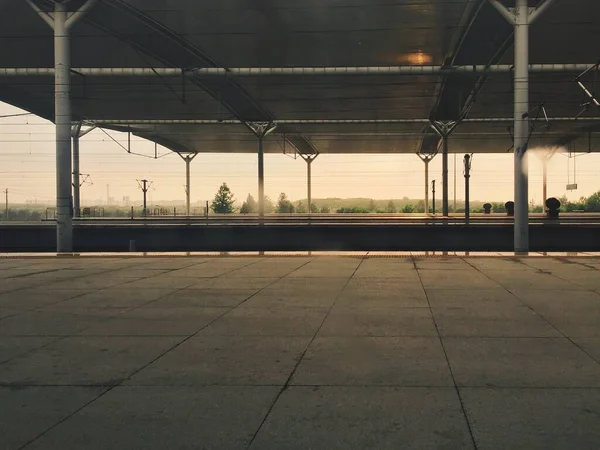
<point x="298" y="351"/>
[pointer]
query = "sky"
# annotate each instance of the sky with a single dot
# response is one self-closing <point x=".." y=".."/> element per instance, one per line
<point x="27" y="170"/>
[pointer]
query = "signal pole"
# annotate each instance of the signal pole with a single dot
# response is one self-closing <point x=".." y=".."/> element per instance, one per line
<point x="433" y="192"/>
<point x="144" y="185"/>
<point x="6" y="210"/>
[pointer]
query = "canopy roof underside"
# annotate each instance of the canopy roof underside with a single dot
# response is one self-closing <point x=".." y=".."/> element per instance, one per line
<point x="328" y="113"/>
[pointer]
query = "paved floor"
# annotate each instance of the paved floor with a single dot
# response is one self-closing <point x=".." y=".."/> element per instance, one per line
<point x="300" y="353"/>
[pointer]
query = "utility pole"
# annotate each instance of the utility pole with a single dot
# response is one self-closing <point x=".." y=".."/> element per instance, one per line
<point x="433" y="194"/>
<point x="467" y="162"/>
<point x="6" y="210"/>
<point x="144" y="185"/>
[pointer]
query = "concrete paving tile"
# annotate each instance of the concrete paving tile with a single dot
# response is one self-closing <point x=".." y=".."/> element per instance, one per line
<point x="28" y="412"/>
<point x="89" y="282"/>
<point x="590" y="345"/>
<point x="161" y="282"/>
<point x="556" y="298"/>
<point x="6" y="312"/>
<point x="455" y="279"/>
<point x="28" y="299"/>
<point x="283" y="299"/>
<point x="520" y="362"/>
<point x="365" y="418"/>
<point x="117" y="297"/>
<point x="156" y="321"/>
<point x="226" y="360"/>
<point x="529" y="280"/>
<point x="11" y="346"/>
<point x="534" y="419"/>
<point x="401" y="298"/>
<point x="84" y="361"/>
<point x="492" y="321"/>
<point x="374" y="320"/>
<point x="404" y="361"/>
<point x="402" y="268"/>
<point x="132" y="273"/>
<point x="442" y="264"/>
<point x="463" y="298"/>
<point x="310" y="285"/>
<point x="44" y="323"/>
<point x="500" y="264"/>
<point x="14" y="284"/>
<point x="395" y="285"/>
<point x="583" y="279"/>
<point x="205" y="297"/>
<point x="161" y="418"/>
<point x="248" y="321"/>
<point x="573" y="320"/>
<point x="228" y="282"/>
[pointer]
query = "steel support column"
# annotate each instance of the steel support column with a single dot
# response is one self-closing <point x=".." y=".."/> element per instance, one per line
<point x="76" y="172"/>
<point x="444" y="130"/>
<point x="188" y="160"/>
<point x="426" y="158"/>
<point x="61" y="21"/>
<point x="521" y="17"/>
<point x="62" y="119"/>
<point x="445" y="189"/>
<point x="467" y="162"/>
<point x="521" y="102"/>
<point x="261" y="179"/>
<point x="261" y="131"/>
<point x="309" y="158"/>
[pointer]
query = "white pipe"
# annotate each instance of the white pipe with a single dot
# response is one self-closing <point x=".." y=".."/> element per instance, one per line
<point x="280" y="71"/>
<point x="537" y="12"/>
<point x="510" y="18"/>
<point x="75" y="16"/>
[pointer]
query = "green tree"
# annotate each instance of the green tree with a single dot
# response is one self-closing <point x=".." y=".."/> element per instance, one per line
<point x="592" y="203"/>
<point x="325" y="209"/>
<point x="284" y="206"/>
<point x="408" y="209"/>
<point x="223" y="202"/>
<point x="249" y="206"/>
<point x="269" y="206"/>
<point x="300" y="209"/>
<point x="372" y="206"/>
<point x="314" y="208"/>
<point x="390" y="208"/>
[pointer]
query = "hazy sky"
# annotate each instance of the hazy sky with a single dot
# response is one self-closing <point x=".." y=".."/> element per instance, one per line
<point x="27" y="169"/>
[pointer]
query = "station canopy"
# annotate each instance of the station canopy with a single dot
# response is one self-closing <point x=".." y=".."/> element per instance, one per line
<point x="334" y="76"/>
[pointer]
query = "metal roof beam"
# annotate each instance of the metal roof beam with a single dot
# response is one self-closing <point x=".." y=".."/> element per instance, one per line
<point x="319" y="121"/>
<point x="295" y="71"/>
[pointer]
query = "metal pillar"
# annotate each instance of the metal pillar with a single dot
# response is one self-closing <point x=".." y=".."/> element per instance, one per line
<point x="454" y="191"/>
<point x="261" y="131"/>
<point x="426" y="158"/>
<point x="61" y="21"/>
<point x="76" y="176"/>
<point x="444" y="130"/>
<point x="521" y="16"/>
<point x="521" y="86"/>
<point x="261" y="180"/>
<point x="188" y="160"/>
<point x="467" y="161"/>
<point x="64" y="212"/>
<point x="445" y="210"/>
<point x="433" y="194"/>
<point x="309" y="159"/>
<point x="544" y="183"/>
